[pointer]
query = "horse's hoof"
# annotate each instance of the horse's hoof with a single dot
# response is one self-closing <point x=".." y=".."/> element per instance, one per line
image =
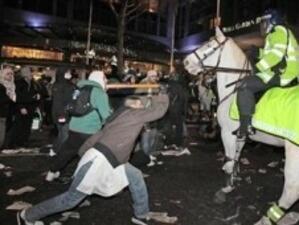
<point x="220" y="197"/>
<point x="227" y="189"/>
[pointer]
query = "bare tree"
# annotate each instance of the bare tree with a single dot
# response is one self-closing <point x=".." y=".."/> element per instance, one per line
<point x="125" y="11"/>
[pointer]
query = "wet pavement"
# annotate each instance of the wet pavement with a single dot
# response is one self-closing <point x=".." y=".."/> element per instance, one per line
<point x="182" y="186"/>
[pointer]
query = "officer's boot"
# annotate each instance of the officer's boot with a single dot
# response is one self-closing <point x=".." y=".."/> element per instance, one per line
<point x="245" y="129"/>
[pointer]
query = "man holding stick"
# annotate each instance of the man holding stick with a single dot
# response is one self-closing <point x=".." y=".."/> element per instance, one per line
<point x="104" y="168"/>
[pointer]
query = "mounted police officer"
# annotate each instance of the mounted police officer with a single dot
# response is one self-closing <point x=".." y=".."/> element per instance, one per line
<point x="277" y="66"/>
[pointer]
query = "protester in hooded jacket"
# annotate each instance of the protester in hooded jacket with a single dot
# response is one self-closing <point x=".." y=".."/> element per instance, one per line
<point x="7" y="97"/>
<point x="62" y="91"/>
<point x="27" y="98"/>
<point x="81" y="128"/>
<point x="104" y="168"/>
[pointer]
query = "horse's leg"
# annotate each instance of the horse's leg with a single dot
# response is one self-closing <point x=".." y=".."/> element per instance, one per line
<point x="290" y="192"/>
<point x="231" y="165"/>
<point x="232" y="150"/>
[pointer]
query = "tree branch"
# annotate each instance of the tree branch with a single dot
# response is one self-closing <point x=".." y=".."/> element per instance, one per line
<point x="135" y="9"/>
<point x="137" y="15"/>
<point x="113" y="9"/>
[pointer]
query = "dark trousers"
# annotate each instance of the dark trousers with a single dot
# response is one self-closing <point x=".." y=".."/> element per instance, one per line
<point x="18" y="135"/>
<point x="69" y="150"/>
<point x="63" y="132"/>
<point x="246" y="96"/>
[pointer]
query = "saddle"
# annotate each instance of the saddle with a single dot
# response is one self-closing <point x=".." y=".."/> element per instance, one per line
<point x="276" y="113"/>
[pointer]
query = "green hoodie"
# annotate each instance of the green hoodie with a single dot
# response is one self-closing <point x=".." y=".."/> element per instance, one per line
<point x="91" y="123"/>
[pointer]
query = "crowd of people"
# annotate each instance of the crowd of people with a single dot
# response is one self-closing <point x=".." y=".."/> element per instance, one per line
<point x="154" y="121"/>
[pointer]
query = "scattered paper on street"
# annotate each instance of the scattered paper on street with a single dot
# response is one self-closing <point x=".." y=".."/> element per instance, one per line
<point x="2" y="166"/>
<point x="21" y="191"/>
<point x="245" y="161"/>
<point x="251" y="207"/>
<point x="177" y="153"/>
<point x="162" y="217"/>
<point x="19" y="205"/>
<point x="8" y="173"/>
<point x="145" y="175"/>
<point x="175" y="201"/>
<point x="273" y="164"/>
<point x="55" y="223"/>
<point x="69" y="214"/>
<point x="236" y="215"/>
<point x="86" y="203"/>
<point x="262" y="171"/>
<point x="248" y="180"/>
<point x="193" y="143"/>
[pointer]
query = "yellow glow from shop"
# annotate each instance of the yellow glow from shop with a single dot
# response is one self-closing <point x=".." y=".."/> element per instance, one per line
<point x="29" y="53"/>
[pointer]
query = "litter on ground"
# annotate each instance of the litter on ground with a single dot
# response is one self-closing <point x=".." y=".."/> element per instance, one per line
<point x="20" y="191"/>
<point x="19" y="205"/>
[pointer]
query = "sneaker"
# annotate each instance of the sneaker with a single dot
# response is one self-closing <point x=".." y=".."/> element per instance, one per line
<point x="140" y="221"/>
<point x="22" y="221"/>
<point x="52" y="153"/>
<point x="52" y="176"/>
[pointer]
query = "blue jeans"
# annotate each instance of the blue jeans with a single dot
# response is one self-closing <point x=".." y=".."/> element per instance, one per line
<point x="138" y="191"/>
<point x="72" y="197"/>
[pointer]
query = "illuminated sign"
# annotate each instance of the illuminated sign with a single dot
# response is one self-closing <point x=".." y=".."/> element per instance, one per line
<point x="29" y="53"/>
<point x="242" y="25"/>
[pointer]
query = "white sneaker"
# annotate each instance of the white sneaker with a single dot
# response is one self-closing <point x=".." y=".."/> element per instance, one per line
<point x="52" y="176"/>
<point x="22" y="221"/>
<point x="52" y="153"/>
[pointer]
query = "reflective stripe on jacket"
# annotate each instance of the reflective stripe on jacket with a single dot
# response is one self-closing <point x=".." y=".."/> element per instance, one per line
<point x="275" y="51"/>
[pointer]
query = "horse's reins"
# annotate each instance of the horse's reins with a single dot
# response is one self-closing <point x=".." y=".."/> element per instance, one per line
<point x="240" y="78"/>
<point x="216" y="68"/>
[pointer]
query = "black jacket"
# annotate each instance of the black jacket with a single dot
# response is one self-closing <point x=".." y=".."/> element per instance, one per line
<point x="5" y="102"/>
<point x="62" y="91"/>
<point x="26" y="95"/>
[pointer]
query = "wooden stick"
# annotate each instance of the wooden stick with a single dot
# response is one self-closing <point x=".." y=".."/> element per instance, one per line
<point x="131" y="86"/>
<point x="2" y="155"/>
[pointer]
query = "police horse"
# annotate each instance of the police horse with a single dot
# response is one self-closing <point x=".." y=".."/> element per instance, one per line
<point x="230" y="64"/>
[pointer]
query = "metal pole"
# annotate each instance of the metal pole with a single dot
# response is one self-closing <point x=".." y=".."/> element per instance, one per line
<point x="89" y="31"/>
<point x="173" y="37"/>
<point x="218" y="13"/>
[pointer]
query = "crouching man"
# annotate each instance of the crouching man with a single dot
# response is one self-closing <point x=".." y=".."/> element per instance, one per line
<point x="104" y="168"/>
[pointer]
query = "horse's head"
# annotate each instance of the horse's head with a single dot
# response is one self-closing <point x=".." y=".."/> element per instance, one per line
<point x="207" y="54"/>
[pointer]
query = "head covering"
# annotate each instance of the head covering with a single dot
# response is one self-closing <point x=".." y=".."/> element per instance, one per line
<point x="152" y="73"/>
<point x="60" y="74"/>
<point x="271" y="18"/>
<point x="113" y="60"/>
<point x="26" y="72"/>
<point x="9" y="85"/>
<point x="99" y="77"/>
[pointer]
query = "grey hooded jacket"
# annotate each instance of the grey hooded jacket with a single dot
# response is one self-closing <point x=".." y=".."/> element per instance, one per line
<point x="117" y="139"/>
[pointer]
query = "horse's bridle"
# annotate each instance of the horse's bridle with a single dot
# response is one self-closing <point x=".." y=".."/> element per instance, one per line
<point x="208" y="69"/>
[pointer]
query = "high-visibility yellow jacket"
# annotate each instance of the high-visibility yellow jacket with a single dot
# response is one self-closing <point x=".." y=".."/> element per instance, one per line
<point x="275" y="51"/>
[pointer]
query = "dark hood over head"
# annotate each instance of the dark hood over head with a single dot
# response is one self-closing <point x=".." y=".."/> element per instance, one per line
<point x="60" y="73"/>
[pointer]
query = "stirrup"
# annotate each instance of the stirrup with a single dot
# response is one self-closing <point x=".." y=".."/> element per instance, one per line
<point x="244" y="134"/>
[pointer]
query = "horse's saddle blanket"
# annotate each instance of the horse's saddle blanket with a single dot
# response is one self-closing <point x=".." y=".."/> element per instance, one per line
<point x="277" y="113"/>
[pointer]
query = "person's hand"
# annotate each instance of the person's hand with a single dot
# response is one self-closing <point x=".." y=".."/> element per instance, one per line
<point x="24" y="111"/>
<point x="163" y="88"/>
<point x="37" y="97"/>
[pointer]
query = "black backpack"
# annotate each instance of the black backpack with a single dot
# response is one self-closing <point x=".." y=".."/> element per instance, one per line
<point x="80" y="104"/>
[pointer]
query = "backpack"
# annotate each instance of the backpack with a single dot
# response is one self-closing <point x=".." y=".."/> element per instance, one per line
<point x="80" y="104"/>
